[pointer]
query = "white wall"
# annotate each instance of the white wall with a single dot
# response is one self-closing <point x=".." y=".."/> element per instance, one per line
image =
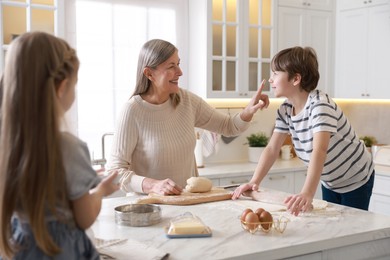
<point x="367" y="118"/>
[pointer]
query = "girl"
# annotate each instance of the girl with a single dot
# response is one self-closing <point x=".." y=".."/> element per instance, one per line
<point x="49" y="193"/>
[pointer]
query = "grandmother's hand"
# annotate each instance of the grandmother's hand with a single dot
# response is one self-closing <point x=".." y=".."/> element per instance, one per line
<point x="162" y="187"/>
<point x="258" y="101"/>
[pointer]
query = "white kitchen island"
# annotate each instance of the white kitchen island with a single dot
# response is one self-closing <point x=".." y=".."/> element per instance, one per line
<point x="337" y="232"/>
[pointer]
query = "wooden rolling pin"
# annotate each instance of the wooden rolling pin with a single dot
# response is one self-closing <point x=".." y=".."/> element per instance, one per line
<point x="268" y="196"/>
<point x="278" y="197"/>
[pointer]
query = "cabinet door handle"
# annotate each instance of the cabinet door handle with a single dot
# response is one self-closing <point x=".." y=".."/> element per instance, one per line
<point x="238" y="182"/>
<point x="275" y="178"/>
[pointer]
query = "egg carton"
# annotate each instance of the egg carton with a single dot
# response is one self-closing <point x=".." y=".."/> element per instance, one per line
<point x="279" y="225"/>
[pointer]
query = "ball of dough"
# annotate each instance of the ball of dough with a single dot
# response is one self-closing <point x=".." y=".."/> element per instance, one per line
<point x="199" y="184"/>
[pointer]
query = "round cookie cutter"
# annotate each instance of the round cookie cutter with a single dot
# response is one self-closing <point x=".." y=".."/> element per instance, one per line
<point x="137" y="215"/>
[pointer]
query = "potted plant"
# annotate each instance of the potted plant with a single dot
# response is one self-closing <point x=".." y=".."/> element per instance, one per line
<point x="256" y="142"/>
<point x="368" y="141"/>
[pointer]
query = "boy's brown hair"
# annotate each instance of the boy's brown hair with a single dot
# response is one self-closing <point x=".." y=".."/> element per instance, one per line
<point x="298" y="60"/>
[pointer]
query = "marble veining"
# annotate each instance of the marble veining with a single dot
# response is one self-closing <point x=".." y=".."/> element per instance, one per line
<point x="326" y="233"/>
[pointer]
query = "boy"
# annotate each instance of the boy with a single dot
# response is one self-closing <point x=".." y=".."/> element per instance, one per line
<point x="322" y="137"/>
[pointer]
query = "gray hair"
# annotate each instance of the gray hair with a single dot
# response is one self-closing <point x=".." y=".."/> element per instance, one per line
<point x="152" y="54"/>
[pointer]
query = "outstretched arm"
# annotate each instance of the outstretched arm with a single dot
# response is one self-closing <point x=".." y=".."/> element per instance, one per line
<point x="258" y="101"/>
<point x="87" y="208"/>
<point x="267" y="159"/>
<point x="302" y="202"/>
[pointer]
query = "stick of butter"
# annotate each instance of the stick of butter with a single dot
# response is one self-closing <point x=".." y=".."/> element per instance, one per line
<point x="187" y="227"/>
<point x="187" y="224"/>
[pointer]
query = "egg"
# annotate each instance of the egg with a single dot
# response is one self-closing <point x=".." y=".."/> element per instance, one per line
<point x="251" y="220"/>
<point x="266" y="220"/>
<point x="259" y="211"/>
<point x="244" y="213"/>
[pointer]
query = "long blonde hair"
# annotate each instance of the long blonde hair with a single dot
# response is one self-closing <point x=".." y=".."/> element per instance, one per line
<point x="33" y="181"/>
<point x="152" y="54"/>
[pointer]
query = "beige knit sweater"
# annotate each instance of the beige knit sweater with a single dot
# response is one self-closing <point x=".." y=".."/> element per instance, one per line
<point x="158" y="141"/>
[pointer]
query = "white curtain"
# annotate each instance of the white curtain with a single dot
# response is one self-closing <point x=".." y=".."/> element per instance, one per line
<point x="108" y="35"/>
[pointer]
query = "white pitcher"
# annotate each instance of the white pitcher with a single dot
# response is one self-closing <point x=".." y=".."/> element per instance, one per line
<point x="286" y="152"/>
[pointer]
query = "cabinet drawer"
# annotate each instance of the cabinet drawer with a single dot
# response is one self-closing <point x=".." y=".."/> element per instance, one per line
<point x="299" y="181"/>
<point x="235" y="180"/>
<point x="215" y="182"/>
<point x="351" y="4"/>
<point x="282" y="182"/>
<point x="380" y="204"/>
<point x="381" y="185"/>
<point x="325" y="5"/>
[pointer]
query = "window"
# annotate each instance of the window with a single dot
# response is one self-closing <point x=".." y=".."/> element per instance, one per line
<point x="108" y="37"/>
<point x="20" y="16"/>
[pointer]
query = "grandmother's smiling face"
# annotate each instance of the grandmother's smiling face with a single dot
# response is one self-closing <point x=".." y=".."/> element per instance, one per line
<point x="165" y="77"/>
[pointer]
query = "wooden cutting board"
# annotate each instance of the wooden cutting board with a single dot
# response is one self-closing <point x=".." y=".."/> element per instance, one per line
<point x="186" y="198"/>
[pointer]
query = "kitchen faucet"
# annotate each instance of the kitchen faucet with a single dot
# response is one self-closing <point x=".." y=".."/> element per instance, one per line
<point x="102" y="162"/>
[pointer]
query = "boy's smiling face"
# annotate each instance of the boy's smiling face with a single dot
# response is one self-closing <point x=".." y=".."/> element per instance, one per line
<point x="281" y="85"/>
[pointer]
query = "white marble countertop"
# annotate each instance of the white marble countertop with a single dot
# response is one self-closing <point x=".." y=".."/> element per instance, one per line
<point x="334" y="233"/>
<point x="222" y="170"/>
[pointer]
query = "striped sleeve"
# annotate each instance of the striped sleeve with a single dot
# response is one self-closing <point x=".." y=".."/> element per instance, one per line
<point x="324" y="117"/>
<point x="283" y="118"/>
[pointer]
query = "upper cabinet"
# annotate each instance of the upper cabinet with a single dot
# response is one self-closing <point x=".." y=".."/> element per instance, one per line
<point x="362" y="49"/>
<point x="309" y="4"/>
<point x="352" y="4"/>
<point x="231" y="46"/>
<point x="20" y="16"/>
<point x="309" y="23"/>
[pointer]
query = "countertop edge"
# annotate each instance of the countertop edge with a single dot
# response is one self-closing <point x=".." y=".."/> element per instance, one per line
<point x="233" y="169"/>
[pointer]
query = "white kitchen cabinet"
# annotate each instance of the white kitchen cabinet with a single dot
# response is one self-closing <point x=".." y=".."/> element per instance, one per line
<point x="309" y="4"/>
<point x="242" y="178"/>
<point x="299" y="180"/>
<point x="362" y="49"/>
<point x="380" y="198"/>
<point x="291" y="182"/>
<point x="284" y="175"/>
<point x="18" y="17"/>
<point x="351" y="4"/>
<point x="310" y="25"/>
<point x="279" y="181"/>
<point x="231" y="44"/>
<point x="215" y="182"/>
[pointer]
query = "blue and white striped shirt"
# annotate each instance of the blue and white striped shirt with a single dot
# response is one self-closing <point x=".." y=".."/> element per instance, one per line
<point x="348" y="164"/>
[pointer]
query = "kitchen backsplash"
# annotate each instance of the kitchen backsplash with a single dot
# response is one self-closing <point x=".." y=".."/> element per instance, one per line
<point x="367" y="118"/>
